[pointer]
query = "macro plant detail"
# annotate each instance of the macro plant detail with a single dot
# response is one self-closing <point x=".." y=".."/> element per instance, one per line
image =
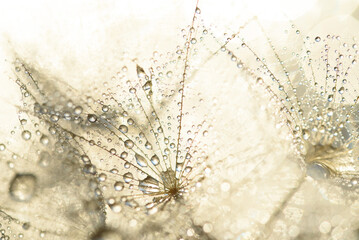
<point x="243" y="135"/>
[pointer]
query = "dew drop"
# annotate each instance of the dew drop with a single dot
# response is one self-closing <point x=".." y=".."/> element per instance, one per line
<point x="155" y="160"/>
<point x="317" y="39"/>
<point x="147" y="86"/>
<point x="26" y="135"/>
<point x="44" y="140"/>
<point x="148" y="145"/>
<point x="148" y="185"/>
<point x="78" y="110"/>
<point x="129" y="144"/>
<point x="141" y="161"/>
<point x="54" y="118"/>
<point x="22" y="187"/>
<point x="119" y="186"/>
<point x="140" y="72"/>
<point x="123" y="155"/>
<point x="123" y="128"/>
<point x="317" y="171"/>
<point x="92" y="118"/>
<point x="306" y="134"/>
<point x="116" y="208"/>
<point x="128" y="177"/>
<point x="2" y="147"/>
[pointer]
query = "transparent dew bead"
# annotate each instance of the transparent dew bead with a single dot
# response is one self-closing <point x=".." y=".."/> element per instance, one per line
<point x="2" y="147"/>
<point x="22" y="187"/>
<point x="148" y="185"/>
<point x="44" y="140"/>
<point x="141" y="161"/>
<point x="124" y="155"/>
<point x="26" y="135"/>
<point x="317" y="171"/>
<point x="129" y="144"/>
<point x="147" y="86"/>
<point x="317" y="39"/>
<point x="306" y="134"/>
<point x="78" y="110"/>
<point x="155" y="160"/>
<point x="128" y="177"/>
<point x="116" y="207"/>
<point x="91" y="118"/>
<point x="148" y="145"/>
<point x="119" y="186"/>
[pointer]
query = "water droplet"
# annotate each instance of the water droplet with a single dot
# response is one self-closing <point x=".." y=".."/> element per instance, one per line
<point x="317" y="171"/>
<point x="128" y="177"/>
<point x="23" y="121"/>
<point x="44" y="159"/>
<point x="140" y="72"/>
<point x="92" y="118"/>
<point x="317" y="39"/>
<point x="132" y="90"/>
<point x="306" y="134"/>
<point x="116" y="208"/>
<point x="148" y="185"/>
<point x="119" y="186"/>
<point x="44" y="140"/>
<point x="105" y="108"/>
<point x="22" y="187"/>
<point x="155" y="160"/>
<point x="341" y="90"/>
<point x="148" y="145"/>
<point x="141" y="161"/>
<point x="130" y="121"/>
<point x="147" y="85"/>
<point x="123" y="155"/>
<point x="26" y="135"/>
<point x="123" y="128"/>
<point x="54" y="118"/>
<point x="78" y="110"/>
<point x="113" y="151"/>
<point x="129" y="144"/>
<point x="2" y="147"/>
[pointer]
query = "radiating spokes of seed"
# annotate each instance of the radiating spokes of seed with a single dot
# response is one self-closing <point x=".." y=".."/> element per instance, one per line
<point x="184" y="76"/>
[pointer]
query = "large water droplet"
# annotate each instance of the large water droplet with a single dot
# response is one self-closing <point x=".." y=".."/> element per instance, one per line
<point x="26" y="135"/>
<point x="140" y="72"/>
<point x="118" y="186"/>
<point x="22" y="187"/>
<point x="148" y="145"/>
<point x="155" y="160"/>
<point x="317" y="171"/>
<point x="147" y="85"/>
<point x="2" y="147"/>
<point x="92" y="118"/>
<point x="148" y="185"/>
<point x="128" y="177"/>
<point x="129" y="144"/>
<point x="141" y="161"/>
<point x="306" y="134"/>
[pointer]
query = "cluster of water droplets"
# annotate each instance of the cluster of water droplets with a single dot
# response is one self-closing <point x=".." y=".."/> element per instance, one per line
<point x="137" y="148"/>
<point x="138" y="137"/>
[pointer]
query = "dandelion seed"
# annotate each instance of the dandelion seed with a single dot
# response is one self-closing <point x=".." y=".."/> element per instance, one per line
<point x="144" y="142"/>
